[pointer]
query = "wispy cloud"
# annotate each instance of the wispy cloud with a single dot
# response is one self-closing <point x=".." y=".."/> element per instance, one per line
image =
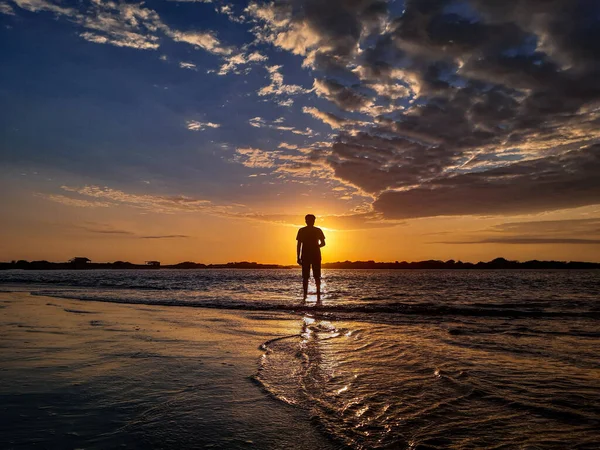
<point x="232" y="63"/>
<point x="277" y="87"/>
<point x="106" y="229"/>
<point x="187" y="65"/>
<point x="259" y="122"/>
<point x="94" y="196"/>
<point x="330" y="119"/>
<point x="100" y="228"/>
<point x="194" y="125"/>
<point x="44" y="5"/>
<point x="293" y="163"/>
<point x="206" y="40"/>
<point x="5" y="8"/>
<point x="127" y="25"/>
<point x="151" y="203"/>
<point x="58" y="198"/>
<point x="255" y="158"/>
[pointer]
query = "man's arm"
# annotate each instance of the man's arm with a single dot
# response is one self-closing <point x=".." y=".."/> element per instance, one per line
<point x="322" y="240"/>
<point x="298" y="246"/>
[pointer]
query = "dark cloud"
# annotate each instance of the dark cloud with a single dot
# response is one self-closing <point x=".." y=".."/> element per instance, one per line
<point x="344" y="97"/>
<point x="99" y="228"/>
<point x="477" y="107"/>
<point x="570" y="231"/>
<point x="375" y="163"/>
<point x="528" y="241"/>
<point x="554" y="182"/>
<point x="574" y="227"/>
<point x="166" y="236"/>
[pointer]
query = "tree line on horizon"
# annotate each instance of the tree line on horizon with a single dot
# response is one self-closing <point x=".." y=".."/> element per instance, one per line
<point x="80" y="263"/>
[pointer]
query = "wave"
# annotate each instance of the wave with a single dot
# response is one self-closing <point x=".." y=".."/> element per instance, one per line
<point x="365" y="393"/>
<point x="395" y="308"/>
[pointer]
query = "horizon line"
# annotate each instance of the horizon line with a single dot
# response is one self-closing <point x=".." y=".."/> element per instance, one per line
<point x="368" y="261"/>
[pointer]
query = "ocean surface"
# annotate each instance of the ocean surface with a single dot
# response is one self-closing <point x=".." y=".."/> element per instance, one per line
<point x="405" y="359"/>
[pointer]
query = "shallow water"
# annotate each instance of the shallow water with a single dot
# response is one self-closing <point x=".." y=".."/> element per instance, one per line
<point x="404" y="359"/>
<point x="417" y="386"/>
<point x="106" y="376"/>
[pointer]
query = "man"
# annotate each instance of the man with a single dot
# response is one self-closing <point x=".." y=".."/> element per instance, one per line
<point x="308" y="251"/>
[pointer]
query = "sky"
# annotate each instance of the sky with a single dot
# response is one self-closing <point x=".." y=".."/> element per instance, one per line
<point x="205" y="130"/>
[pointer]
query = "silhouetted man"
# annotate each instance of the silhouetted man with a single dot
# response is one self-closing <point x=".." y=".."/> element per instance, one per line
<point x="310" y="240"/>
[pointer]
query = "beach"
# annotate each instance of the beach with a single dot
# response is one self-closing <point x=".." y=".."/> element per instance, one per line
<point x="101" y="375"/>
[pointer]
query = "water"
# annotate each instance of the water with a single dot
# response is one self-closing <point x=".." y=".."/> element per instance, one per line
<point x="404" y="359"/>
<point x="438" y="292"/>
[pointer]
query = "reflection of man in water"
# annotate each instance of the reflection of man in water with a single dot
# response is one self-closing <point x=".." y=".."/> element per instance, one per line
<point x="310" y="240"/>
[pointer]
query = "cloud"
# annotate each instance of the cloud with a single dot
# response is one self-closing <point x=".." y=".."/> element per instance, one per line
<point x="120" y="24"/>
<point x="151" y="203"/>
<point x="5" y="8"/>
<point x="287" y="146"/>
<point x="105" y="229"/>
<point x="569" y="231"/>
<point x="205" y="40"/>
<point x="255" y="158"/>
<point x="306" y="132"/>
<point x="330" y="119"/>
<point x="259" y="122"/>
<point x="232" y="63"/>
<point x="94" y="196"/>
<point x="482" y="108"/>
<point x="44" y="5"/>
<point x="575" y="227"/>
<point x="277" y="86"/>
<point x="443" y="108"/>
<point x="285" y="103"/>
<point x="554" y="182"/>
<point x="529" y="241"/>
<point x="194" y="125"/>
<point x="295" y="163"/>
<point x="166" y="236"/>
<point x="187" y="65"/>
<point x="126" y="25"/>
<point x="58" y="198"/>
<point x="99" y="228"/>
<point x="344" y="97"/>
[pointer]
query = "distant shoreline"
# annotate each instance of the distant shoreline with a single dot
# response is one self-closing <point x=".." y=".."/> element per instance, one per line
<point x="498" y="263"/>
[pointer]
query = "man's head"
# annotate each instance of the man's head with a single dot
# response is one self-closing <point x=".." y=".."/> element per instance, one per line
<point x="310" y="219"/>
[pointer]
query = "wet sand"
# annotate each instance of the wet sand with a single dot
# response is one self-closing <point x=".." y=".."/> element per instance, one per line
<point x="99" y="375"/>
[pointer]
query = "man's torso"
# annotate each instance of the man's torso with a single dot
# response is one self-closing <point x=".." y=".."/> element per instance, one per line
<point x="310" y="237"/>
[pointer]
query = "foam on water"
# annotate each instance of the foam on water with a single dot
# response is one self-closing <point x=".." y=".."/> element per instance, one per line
<point x="381" y="386"/>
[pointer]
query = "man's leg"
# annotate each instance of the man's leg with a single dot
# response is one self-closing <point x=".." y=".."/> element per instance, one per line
<point x="317" y="274"/>
<point x="305" y="277"/>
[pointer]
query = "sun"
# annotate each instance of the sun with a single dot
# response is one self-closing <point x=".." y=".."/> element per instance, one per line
<point x="333" y="240"/>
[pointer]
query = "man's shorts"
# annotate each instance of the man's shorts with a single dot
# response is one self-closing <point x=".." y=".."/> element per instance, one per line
<point x="316" y="268"/>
